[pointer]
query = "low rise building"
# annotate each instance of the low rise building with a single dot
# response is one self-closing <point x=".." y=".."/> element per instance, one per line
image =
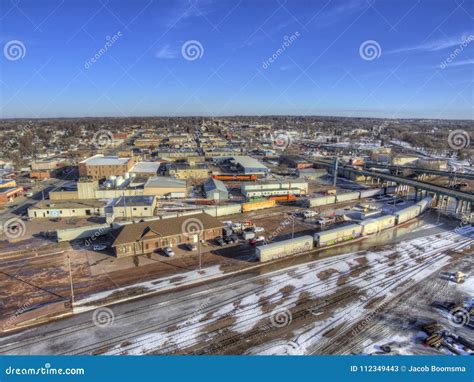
<point x="8" y="194"/>
<point x="165" y="186"/>
<point x="67" y="208"/>
<point x="101" y="167"/>
<point x="249" y="165"/>
<point x="186" y="171"/>
<point x="134" y="206"/>
<point x="145" y="168"/>
<point x="215" y="189"/>
<point x="152" y="236"/>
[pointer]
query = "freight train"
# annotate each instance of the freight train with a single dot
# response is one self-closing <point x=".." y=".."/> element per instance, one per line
<point x="341" y="234"/>
<point x="345" y="197"/>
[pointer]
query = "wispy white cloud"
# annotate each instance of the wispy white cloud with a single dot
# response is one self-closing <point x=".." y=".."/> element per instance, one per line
<point x="328" y="16"/>
<point x="188" y="9"/>
<point x="435" y="45"/>
<point x="166" y="52"/>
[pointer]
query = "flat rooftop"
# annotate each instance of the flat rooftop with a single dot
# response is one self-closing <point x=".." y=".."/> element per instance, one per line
<point x="79" y="203"/>
<point x="134" y="201"/>
<point x="100" y="160"/>
<point x="148" y="167"/>
<point x="165" y="182"/>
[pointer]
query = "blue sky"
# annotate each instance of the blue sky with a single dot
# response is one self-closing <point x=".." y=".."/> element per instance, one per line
<point x="418" y="61"/>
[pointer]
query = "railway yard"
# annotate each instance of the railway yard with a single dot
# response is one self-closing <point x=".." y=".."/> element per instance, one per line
<point x="375" y="296"/>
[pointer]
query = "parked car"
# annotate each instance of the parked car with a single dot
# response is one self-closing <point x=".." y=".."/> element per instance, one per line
<point x="219" y="241"/>
<point x="191" y="247"/>
<point x="168" y="251"/>
<point x="258" y="229"/>
<point x="99" y="247"/>
<point x="258" y="240"/>
<point x="26" y="218"/>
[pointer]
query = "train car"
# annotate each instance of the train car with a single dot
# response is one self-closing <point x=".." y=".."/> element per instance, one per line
<point x="231" y="177"/>
<point x="424" y="204"/>
<point x="347" y="196"/>
<point x="320" y="201"/>
<point x="407" y="213"/>
<point x="371" y="193"/>
<point x="283" y="198"/>
<point x="375" y="225"/>
<point x="284" y="248"/>
<point x="337" y="235"/>
<point x="246" y="207"/>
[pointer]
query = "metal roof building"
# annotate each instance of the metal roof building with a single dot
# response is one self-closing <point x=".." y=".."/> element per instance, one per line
<point x="250" y="165"/>
<point x="215" y="189"/>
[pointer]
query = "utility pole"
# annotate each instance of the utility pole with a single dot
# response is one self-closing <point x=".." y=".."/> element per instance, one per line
<point x="70" y="281"/>
<point x="336" y="159"/>
<point x="200" y="253"/>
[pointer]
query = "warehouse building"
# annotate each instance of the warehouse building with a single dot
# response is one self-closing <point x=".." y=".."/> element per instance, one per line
<point x="7" y="194"/>
<point x="187" y="171"/>
<point x="145" y="168"/>
<point x="67" y="208"/>
<point x="215" y="189"/>
<point x="165" y="186"/>
<point x="101" y="167"/>
<point x="152" y="236"/>
<point x="134" y="206"/>
<point x="249" y="165"/>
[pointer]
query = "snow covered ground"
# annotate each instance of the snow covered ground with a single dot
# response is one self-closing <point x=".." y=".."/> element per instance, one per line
<point x="292" y="311"/>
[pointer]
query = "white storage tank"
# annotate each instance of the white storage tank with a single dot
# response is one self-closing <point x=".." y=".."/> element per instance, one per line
<point x="337" y="235"/>
<point x="284" y="248"/>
